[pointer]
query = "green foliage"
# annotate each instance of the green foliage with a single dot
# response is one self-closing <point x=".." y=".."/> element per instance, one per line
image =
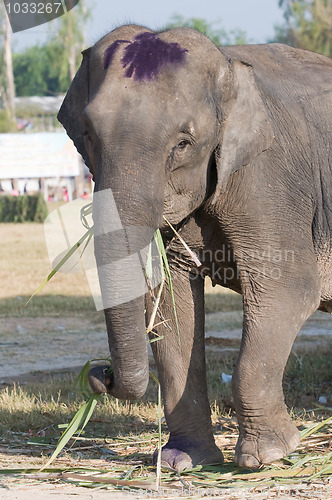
<point x="25" y="208"/>
<point x="308" y="25"/>
<point x="29" y="72"/>
<point x="37" y="71"/>
<point x="38" y="208"/>
<point x="69" y="41"/>
<point x="48" y="69"/>
<point x="217" y="34"/>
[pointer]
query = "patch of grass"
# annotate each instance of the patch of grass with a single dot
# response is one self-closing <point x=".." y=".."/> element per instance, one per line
<point x="220" y="321"/>
<point x="43" y="406"/>
<point x="24" y="409"/>
<point x="24" y="263"/>
<point x="35" y="406"/>
<point x="50" y="305"/>
<point x="308" y="376"/>
<point x="221" y="299"/>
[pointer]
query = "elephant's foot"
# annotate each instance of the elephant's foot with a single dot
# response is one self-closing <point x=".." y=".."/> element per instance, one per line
<point x="181" y="454"/>
<point x="262" y="446"/>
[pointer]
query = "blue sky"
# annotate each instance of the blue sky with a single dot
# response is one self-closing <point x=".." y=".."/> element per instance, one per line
<point x="256" y="17"/>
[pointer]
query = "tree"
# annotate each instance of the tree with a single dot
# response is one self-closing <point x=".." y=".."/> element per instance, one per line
<point x="308" y="25"/>
<point x="36" y="72"/>
<point x="7" y="87"/>
<point x="70" y="40"/>
<point x="49" y="69"/>
<point x="217" y="34"/>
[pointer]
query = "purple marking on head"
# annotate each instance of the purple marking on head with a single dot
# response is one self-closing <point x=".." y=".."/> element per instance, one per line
<point x="147" y="55"/>
<point x="110" y="52"/>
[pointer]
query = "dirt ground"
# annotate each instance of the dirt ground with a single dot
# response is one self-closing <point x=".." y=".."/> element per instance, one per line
<point x="31" y="348"/>
<point x="32" y="345"/>
<point x="62" y="492"/>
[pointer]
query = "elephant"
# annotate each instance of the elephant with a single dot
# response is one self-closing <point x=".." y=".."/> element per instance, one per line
<point x="232" y="147"/>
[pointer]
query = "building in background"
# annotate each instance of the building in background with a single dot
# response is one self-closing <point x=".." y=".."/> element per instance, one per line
<point x="40" y="157"/>
<point x="38" y="114"/>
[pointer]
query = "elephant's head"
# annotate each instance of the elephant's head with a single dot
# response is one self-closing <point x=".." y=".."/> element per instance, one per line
<point x="161" y="120"/>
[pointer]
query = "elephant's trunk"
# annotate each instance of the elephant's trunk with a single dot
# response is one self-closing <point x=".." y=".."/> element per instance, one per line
<point x="125" y="321"/>
<point x="121" y="250"/>
<point x="128" y="348"/>
<point x="129" y="374"/>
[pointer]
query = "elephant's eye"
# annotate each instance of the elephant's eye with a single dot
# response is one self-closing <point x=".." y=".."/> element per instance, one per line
<point x="183" y="144"/>
<point x="179" y="154"/>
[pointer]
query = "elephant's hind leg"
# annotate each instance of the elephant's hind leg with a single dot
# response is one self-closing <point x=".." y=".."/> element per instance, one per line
<point x="180" y="358"/>
<point x="270" y="326"/>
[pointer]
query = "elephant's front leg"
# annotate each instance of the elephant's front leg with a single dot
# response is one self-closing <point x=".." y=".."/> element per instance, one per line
<point x="180" y="358"/>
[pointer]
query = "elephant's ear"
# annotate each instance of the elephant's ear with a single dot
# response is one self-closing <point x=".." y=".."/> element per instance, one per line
<point x="71" y="111"/>
<point x="246" y="131"/>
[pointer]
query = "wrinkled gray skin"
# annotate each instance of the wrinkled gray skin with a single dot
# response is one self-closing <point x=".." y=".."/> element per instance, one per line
<point x="234" y="147"/>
